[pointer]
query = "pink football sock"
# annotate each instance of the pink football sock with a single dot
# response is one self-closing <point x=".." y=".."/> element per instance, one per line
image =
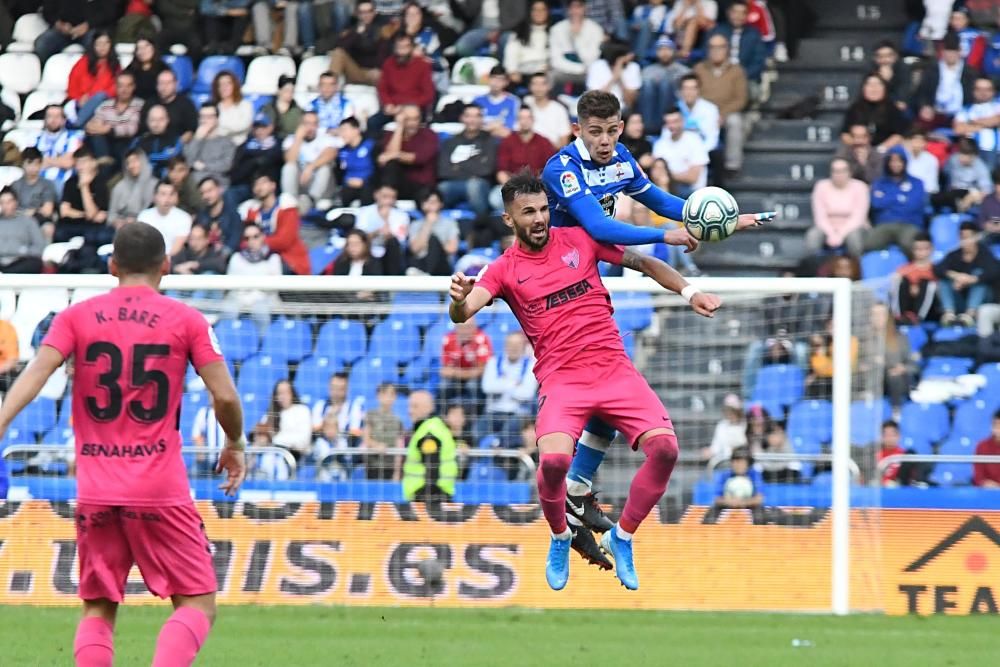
<point x="181" y="637"/>
<point x="650" y="480"/>
<point x="552" y="489"/>
<point x="94" y="643"/>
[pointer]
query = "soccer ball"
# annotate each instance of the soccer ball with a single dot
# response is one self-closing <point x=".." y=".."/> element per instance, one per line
<point x="710" y="214"/>
<point x="739" y="487"/>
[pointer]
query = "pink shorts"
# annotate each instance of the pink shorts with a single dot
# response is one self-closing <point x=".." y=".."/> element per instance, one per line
<point x="611" y="389"/>
<point x="167" y="543"/>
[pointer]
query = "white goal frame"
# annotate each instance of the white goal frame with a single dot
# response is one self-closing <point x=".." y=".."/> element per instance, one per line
<point x="839" y="288"/>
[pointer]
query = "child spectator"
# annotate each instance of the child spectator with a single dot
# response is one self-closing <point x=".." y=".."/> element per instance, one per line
<point x="965" y="277"/>
<point x="383" y="430"/>
<point x="914" y="285"/>
<point x="740" y="487"/>
<point x="36" y="195"/>
<point x="897" y="205"/>
<point x="840" y="211"/>
<point x="889" y="446"/>
<point x="987" y="475"/>
<point x="967" y="177"/>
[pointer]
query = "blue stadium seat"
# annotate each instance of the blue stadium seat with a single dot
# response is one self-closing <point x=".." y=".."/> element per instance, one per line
<point x="287" y="340"/>
<point x="925" y="420"/>
<point x="183" y="70"/>
<point x="918" y="444"/>
<point x="991" y="372"/>
<point x="944" y="231"/>
<point x="369" y="373"/>
<point x="973" y="419"/>
<point x="237" y="338"/>
<point x="190" y="404"/>
<point x="421" y="309"/>
<point x="806" y="446"/>
<point x="259" y="374"/>
<point x="417" y="372"/>
<point x="778" y="386"/>
<point x="321" y="258"/>
<point x="401" y="408"/>
<point x="312" y="378"/>
<point x="916" y="335"/>
<point x="434" y="337"/>
<point x="343" y="341"/>
<point x="946" y="367"/>
<point x="952" y="474"/>
<point x="633" y="310"/>
<point x="958" y="445"/>
<point x="211" y="66"/>
<point x="881" y="263"/>
<point x="866" y="420"/>
<point x="824" y="478"/>
<point x="34" y="420"/>
<point x="259" y="101"/>
<point x="948" y="334"/>
<point x="484" y="471"/>
<point x="254" y="407"/>
<point x="811" y="420"/>
<point x="395" y="339"/>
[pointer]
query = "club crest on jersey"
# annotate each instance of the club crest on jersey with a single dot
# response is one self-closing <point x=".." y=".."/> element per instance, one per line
<point x="572" y="258"/>
<point x="570" y="186"/>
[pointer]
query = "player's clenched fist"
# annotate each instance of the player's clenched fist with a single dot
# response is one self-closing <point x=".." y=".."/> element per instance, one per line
<point x="461" y="285"/>
<point x="705" y="304"/>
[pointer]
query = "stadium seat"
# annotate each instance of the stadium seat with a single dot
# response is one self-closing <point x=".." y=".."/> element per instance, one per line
<point x="32" y="307"/>
<point x="27" y="28"/>
<point x="9" y="174"/>
<point x="778" y="386"/>
<point x="343" y="341"/>
<point x="946" y="367"/>
<point x="958" y="445"/>
<point x="949" y="334"/>
<point x="421" y="309"/>
<point x="34" y="104"/>
<point x="973" y="419"/>
<point x="210" y="68"/>
<point x="866" y="420"/>
<point x="22" y="137"/>
<point x="395" y="339"/>
<point x="944" y="231"/>
<point x="20" y="72"/>
<point x="484" y="471"/>
<point x="255" y="407"/>
<point x="263" y="73"/>
<point x="35" y="419"/>
<point x="952" y="474"/>
<point x="287" y="340"/>
<point x="307" y="78"/>
<point x="473" y="70"/>
<point x="633" y="310"/>
<point x="55" y="74"/>
<point x="190" y="404"/>
<point x="364" y="99"/>
<point x="312" y="378"/>
<point x="237" y="338"/>
<point x="321" y="258"/>
<point x="183" y="69"/>
<point x="917" y="444"/>
<point x="802" y="445"/>
<point x="13" y="100"/>
<point x="8" y="303"/>
<point x="881" y="263"/>
<point x="369" y="373"/>
<point x="811" y="420"/>
<point x="924" y="420"/>
<point x="259" y="374"/>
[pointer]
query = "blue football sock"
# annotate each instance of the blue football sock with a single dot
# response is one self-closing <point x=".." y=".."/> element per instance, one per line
<point x="590" y="452"/>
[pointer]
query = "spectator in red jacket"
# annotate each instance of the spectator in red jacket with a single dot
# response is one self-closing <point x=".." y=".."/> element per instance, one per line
<point x="523" y="148"/>
<point x="92" y="79"/>
<point x="464" y="355"/>
<point x="408" y="157"/>
<point x="405" y="79"/>
<point x="278" y="218"/>
<point x="987" y="475"/>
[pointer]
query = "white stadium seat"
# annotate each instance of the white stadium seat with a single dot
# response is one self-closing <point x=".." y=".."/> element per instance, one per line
<point x="32" y="307"/>
<point x="74" y="49"/>
<point x="22" y="137"/>
<point x="36" y="102"/>
<point x="84" y="293"/>
<point x="364" y="99"/>
<point x="481" y="65"/>
<point x="468" y="92"/>
<point x="13" y="100"/>
<point x="263" y="74"/>
<point x="8" y="303"/>
<point x="26" y="31"/>
<point x="55" y="76"/>
<point x="307" y="80"/>
<point x="20" y="72"/>
<point x="9" y="174"/>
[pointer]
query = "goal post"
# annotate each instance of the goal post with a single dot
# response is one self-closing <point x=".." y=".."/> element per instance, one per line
<point x="316" y="326"/>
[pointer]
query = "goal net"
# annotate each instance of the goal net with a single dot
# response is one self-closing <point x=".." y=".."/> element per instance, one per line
<point x="340" y="507"/>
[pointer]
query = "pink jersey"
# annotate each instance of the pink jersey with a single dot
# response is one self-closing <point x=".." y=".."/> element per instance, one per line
<point x="131" y="349"/>
<point x="559" y="299"/>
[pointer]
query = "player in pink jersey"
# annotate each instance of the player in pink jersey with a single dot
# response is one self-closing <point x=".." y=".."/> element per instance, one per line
<point x="549" y="277"/>
<point x="130" y="349"/>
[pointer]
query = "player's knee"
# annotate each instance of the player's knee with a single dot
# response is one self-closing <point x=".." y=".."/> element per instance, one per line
<point x="662" y="448"/>
<point x="553" y="468"/>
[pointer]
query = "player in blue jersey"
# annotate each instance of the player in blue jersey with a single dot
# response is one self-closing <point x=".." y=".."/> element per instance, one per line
<point x="583" y="181"/>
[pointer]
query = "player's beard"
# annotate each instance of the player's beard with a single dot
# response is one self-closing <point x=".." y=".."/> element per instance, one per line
<point x="526" y="237"/>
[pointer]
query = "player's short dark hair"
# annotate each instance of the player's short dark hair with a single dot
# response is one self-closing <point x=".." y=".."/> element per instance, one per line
<point x="30" y="154"/>
<point x="523" y="182"/>
<point x="597" y="104"/>
<point x="352" y="121"/>
<point x="922" y="236"/>
<point x="139" y="248"/>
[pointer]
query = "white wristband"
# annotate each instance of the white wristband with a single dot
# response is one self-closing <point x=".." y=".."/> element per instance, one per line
<point x="688" y="292"/>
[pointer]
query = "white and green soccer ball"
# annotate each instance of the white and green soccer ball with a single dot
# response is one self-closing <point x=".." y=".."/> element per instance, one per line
<point x="710" y="214"/>
<point x="739" y="487"/>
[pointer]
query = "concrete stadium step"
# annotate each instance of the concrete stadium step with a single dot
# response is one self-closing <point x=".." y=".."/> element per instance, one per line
<point x="789" y="205"/>
<point x="835" y="85"/>
<point x="782" y="99"/>
<point x="696" y="400"/>
<point x="804" y="166"/>
<point x="768" y="131"/>
<point x="886" y="15"/>
<point x="751" y="181"/>
<point x="756" y="246"/>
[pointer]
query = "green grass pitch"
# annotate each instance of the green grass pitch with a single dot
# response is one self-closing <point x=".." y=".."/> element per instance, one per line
<point x="301" y="636"/>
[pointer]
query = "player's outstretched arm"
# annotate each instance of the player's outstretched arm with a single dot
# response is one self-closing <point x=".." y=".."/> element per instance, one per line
<point x="229" y="412"/>
<point x="665" y="275"/>
<point x="466" y="298"/>
<point x="28" y="384"/>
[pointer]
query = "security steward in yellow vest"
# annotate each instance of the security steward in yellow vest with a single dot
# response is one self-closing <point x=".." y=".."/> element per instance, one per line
<point x="431" y="466"/>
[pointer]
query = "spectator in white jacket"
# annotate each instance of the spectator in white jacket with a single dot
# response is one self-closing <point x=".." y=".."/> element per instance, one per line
<point x="574" y="44"/>
<point x="287" y="424"/>
<point x="510" y="387"/>
<point x="253" y="259"/>
<point x="730" y="431"/>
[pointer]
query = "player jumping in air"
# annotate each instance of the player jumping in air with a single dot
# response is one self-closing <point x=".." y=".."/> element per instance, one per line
<point x="131" y="348"/>
<point x="551" y="282"/>
<point x="583" y="181"/>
